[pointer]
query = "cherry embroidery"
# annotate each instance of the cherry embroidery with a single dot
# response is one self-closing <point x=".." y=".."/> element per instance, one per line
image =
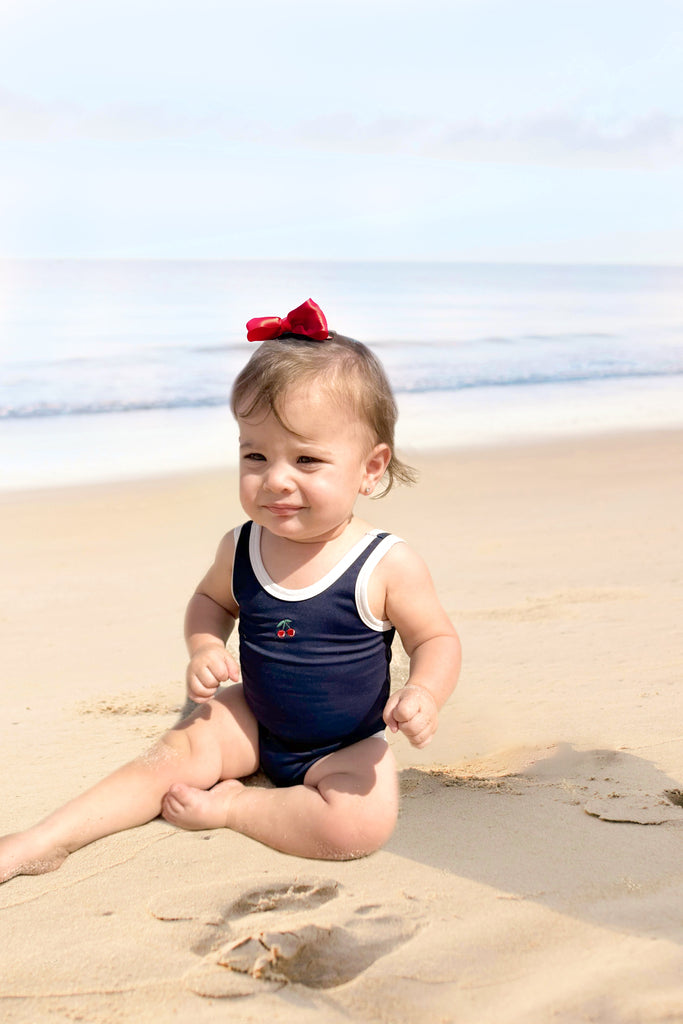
<point x="284" y="628"/>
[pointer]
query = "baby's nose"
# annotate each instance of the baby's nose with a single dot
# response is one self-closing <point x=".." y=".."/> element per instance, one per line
<point x="279" y="478"/>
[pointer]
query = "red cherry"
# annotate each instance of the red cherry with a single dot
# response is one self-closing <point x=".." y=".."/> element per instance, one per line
<point x="280" y="632"/>
<point x="290" y="632"/>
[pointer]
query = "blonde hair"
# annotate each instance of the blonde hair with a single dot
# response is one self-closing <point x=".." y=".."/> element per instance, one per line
<point x="346" y="369"/>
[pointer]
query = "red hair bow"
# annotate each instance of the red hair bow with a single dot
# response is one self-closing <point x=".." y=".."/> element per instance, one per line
<point x="307" y="319"/>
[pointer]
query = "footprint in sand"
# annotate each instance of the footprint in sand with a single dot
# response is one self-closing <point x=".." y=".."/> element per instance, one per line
<point x="613" y="785"/>
<point x="309" y="932"/>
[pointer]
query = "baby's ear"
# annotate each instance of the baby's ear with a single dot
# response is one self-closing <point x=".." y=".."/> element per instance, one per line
<point x="375" y="467"/>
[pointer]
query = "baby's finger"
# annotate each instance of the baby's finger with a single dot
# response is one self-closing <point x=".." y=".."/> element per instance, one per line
<point x="199" y="698"/>
<point x="214" y="671"/>
<point x="232" y="668"/>
<point x="388" y="714"/>
<point x="407" y="705"/>
<point x="422" y="738"/>
<point x="419" y="729"/>
<point x="205" y="682"/>
<point x="200" y="691"/>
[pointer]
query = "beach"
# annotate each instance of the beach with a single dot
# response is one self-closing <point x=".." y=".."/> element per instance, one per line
<point x="535" y="871"/>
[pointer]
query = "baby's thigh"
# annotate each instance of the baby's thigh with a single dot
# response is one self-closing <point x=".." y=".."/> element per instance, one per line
<point x="224" y="731"/>
<point x="360" y="785"/>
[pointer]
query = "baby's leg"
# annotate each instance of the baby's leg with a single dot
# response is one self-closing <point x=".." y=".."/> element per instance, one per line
<point x="347" y="806"/>
<point x="220" y="737"/>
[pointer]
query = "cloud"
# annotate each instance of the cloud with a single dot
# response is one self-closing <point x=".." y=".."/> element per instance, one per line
<point x="560" y="139"/>
<point x="23" y="118"/>
<point x="557" y="138"/>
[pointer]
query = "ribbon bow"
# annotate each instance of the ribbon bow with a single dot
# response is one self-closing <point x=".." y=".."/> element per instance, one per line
<point x="307" y="319"/>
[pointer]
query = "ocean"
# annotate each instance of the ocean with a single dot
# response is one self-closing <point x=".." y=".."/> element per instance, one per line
<point x="117" y="369"/>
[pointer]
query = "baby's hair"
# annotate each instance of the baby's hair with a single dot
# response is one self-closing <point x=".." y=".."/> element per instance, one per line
<point x="344" y="368"/>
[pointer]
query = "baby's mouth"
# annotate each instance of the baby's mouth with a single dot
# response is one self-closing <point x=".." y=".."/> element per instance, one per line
<point x="283" y="510"/>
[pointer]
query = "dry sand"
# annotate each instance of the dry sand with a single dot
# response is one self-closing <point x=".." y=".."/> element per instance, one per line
<point x="535" y="872"/>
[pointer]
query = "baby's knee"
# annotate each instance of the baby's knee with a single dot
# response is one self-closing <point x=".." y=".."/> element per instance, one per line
<point x="359" y="833"/>
<point x="169" y="749"/>
<point x="178" y="746"/>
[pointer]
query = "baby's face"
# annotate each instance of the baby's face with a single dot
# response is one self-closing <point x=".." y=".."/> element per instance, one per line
<point x="302" y="483"/>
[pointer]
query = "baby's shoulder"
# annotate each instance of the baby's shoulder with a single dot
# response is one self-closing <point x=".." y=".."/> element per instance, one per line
<point x="399" y="558"/>
<point x="225" y="553"/>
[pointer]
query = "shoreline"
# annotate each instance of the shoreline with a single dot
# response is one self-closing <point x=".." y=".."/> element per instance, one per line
<point x="70" y="450"/>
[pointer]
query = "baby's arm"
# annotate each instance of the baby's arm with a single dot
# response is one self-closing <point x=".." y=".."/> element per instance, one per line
<point x="430" y="641"/>
<point x="209" y="621"/>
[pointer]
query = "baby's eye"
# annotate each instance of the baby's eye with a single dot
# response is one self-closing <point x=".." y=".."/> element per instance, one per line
<point x="255" y="456"/>
<point x="307" y="460"/>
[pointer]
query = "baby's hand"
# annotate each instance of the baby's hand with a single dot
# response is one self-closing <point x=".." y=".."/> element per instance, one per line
<point x="413" y="710"/>
<point x="209" y="667"/>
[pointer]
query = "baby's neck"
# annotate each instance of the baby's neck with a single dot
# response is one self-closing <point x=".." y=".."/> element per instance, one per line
<point x="295" y="564"/>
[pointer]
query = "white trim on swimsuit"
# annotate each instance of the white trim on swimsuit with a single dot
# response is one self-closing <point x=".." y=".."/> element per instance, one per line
<point x="304" y="593"/>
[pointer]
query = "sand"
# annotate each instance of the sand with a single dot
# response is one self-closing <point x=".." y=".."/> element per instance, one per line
<point x="535" y="872"/>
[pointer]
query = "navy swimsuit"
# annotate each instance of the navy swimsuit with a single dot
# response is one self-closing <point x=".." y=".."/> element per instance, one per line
<point x="315" y="661"/>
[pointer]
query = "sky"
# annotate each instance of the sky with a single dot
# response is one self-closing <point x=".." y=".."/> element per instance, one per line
<point x="476" y="130"/>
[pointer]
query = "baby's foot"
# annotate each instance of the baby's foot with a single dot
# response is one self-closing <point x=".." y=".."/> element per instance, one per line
<point x="200" y="808"/>
<point x="25" y="853"/>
